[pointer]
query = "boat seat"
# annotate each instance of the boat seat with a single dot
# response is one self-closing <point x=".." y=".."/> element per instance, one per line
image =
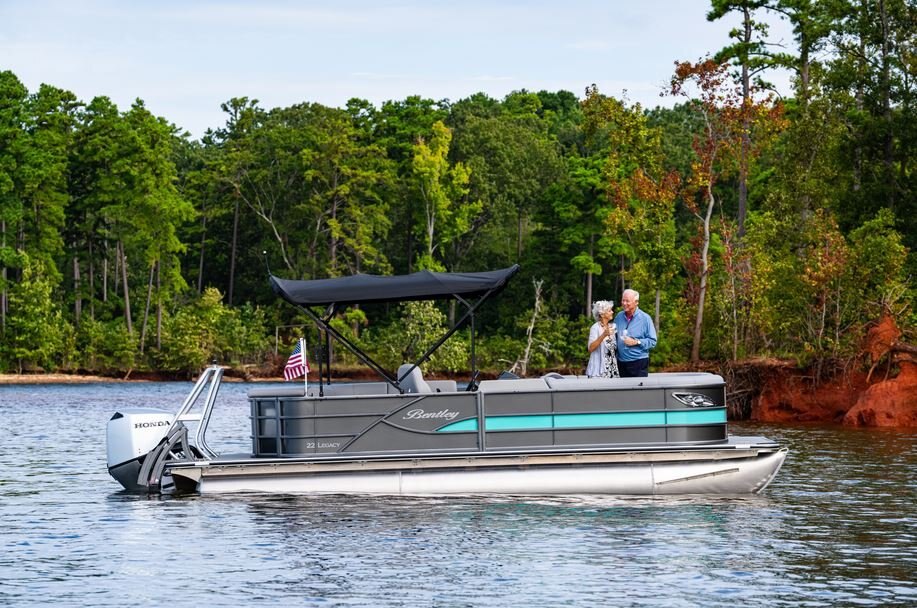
<point x="413" y="382"/>
<point x="443" y="386"/>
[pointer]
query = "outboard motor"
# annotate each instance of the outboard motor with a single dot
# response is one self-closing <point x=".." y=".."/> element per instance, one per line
<point x="132" y="435"/>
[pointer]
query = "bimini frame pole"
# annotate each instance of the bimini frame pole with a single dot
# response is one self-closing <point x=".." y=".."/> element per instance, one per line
<point x="324" y="323"/>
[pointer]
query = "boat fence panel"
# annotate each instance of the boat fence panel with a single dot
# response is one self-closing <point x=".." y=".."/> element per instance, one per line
<point x="545" y="413"/>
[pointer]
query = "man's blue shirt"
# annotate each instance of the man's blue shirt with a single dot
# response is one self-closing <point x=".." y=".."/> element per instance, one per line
<point x="640" y="327"/>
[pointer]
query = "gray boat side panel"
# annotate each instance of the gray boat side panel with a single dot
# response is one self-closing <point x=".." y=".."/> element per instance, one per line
<point x="608" y="401"/>
<point x="717" y="394"/>
<point x="351" y="425"/>
<point x="273" y="392"/>
<point x="629" y="435"/>
<point x="433" y="411"/>
<point x="363" y="405"/>
<point x="299" y="407"/>
<point x="362" y="418"/>
<point x="300" y="427"/>
<point x="507" y="404"/>
<point x="664" y="380"/>
<point x="348" y="389"/>
<point x="706" y="432"/>
<point x="396" y="423"/>
<point x="517" y="439"/>
<point x="315" y="445"/>
<point x="386" y="438"/>
<point x="521" y="385"/>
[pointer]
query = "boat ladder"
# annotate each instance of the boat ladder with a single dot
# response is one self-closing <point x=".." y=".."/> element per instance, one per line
<point x="175" y="444"/>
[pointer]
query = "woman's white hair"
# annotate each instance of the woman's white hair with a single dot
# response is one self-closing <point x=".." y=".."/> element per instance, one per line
<point x="600" y="306"/>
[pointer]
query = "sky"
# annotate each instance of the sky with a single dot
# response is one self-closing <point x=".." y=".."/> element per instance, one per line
<point x="185" y="58"/>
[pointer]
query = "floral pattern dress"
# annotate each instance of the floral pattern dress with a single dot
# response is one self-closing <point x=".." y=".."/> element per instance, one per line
<point x="610" y="356"/>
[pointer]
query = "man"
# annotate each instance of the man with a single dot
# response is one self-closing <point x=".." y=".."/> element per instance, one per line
<point x="636" y="336"/>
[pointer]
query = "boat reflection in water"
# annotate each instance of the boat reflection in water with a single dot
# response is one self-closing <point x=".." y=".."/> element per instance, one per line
<point x="553" y="435"/>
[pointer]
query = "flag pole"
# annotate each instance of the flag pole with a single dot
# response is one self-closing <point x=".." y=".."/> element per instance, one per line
<point x="305" y="367"/>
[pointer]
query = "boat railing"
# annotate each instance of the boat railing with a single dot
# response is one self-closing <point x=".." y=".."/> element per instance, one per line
<point x="210" y="379"/>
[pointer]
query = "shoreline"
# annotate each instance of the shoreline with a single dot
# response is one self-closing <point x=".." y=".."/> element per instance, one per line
<point x="40" y="379"/>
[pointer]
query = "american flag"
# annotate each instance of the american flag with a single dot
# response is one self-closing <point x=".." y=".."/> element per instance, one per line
<point x="298" y="363"/>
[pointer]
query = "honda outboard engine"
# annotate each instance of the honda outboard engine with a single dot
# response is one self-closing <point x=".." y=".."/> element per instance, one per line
<point x="132" y="434"/>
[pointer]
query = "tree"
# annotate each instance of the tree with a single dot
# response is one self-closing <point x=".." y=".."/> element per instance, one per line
<point x="444" y="212"/>
<point x="398" y="127"/>
<point x="725" y="116"/>
<point x="873" y="78"/>
<point x="641" y="190"/>
<point x="750" y="54"/>
<point x="12" y="143"/>
<point x="155" y="212"/>
<point x="34" y="329"/>
<point x="512" y="163"/>
<point x="347" y="177"/>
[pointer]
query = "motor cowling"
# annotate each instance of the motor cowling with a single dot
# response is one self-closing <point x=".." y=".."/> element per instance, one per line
<point x="131" y="435"/>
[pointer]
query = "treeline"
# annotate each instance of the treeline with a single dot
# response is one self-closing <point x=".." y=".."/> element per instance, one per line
<point x="751" y="225"/>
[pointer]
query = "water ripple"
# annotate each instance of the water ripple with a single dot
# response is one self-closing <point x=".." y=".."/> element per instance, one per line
<point x="837" y="527"/>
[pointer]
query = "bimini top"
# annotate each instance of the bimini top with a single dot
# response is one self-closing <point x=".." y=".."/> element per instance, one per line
<point x="365" y="288"/>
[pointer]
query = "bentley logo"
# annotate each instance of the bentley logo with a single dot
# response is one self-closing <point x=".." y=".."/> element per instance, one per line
<point x="422" y="414"/>
<point x="694" y="399"/>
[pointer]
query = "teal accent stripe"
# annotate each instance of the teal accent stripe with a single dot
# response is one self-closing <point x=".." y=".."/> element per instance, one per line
<point x="469" y="424"/>
<point x="704" y="416"/>
<point x="567" y="421"/>
<point x="535" y="422"/>
<point x="512" y="423"/>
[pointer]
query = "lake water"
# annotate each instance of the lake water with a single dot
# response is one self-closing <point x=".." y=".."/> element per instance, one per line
<point x="838" y="527"/>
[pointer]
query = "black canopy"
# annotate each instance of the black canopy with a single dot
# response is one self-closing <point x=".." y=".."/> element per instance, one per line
<point x="366" y="288"/>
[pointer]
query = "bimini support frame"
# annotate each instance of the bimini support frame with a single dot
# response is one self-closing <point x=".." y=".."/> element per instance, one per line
<point x="324" y="324"/>
<point x="470" y="289"/>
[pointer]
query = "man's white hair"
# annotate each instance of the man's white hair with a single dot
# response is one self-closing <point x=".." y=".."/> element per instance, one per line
<point x="600" y="306"/>
<point x="632" y="293"/>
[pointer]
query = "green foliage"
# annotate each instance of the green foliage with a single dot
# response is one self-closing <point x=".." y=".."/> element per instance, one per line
<point x="207" y="331"/>
<point x="104" y="346"/>
<point x="110" y="220"/>
<point x="498" y="352"/>
<point x="419" y="326"/>
<point x="35" y="328"/>
<point x="559" y="341"/>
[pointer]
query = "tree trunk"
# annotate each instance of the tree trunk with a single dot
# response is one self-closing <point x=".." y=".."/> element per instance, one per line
<point x="146" y="308"/>
<point x="885" y="75"/>
<point x="656" y="311"/>
<point x="746" y="125"/>
<point x="521" y="365"/>
<point x="332" y="240"/>
<point x="200" y="262"/>
<point x="127" y="296"/>
<point x="3" y="303"/>
<point x="77" y="300"/>
<point x="158" y="307"/>
<point x="92" y="285"/>
<point x="518" y="236"/>
<point x="702" y="291"/>
<point x="804" y="72"/>
<point x="105" y="274"/>
<point x="589" y="281"/>
<point x="232" y="254"/>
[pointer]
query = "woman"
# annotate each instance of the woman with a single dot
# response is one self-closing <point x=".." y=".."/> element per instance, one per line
<point x="603" y="360"/>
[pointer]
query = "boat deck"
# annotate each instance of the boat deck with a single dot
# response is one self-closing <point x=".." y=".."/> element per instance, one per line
<point x="733" y="444"/>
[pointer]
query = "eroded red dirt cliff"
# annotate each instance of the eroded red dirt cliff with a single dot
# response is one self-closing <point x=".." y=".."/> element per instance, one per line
<point x="885" y="395"/>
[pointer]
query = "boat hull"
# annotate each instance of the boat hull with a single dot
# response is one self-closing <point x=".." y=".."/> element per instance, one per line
<point x="733" y="471"/>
